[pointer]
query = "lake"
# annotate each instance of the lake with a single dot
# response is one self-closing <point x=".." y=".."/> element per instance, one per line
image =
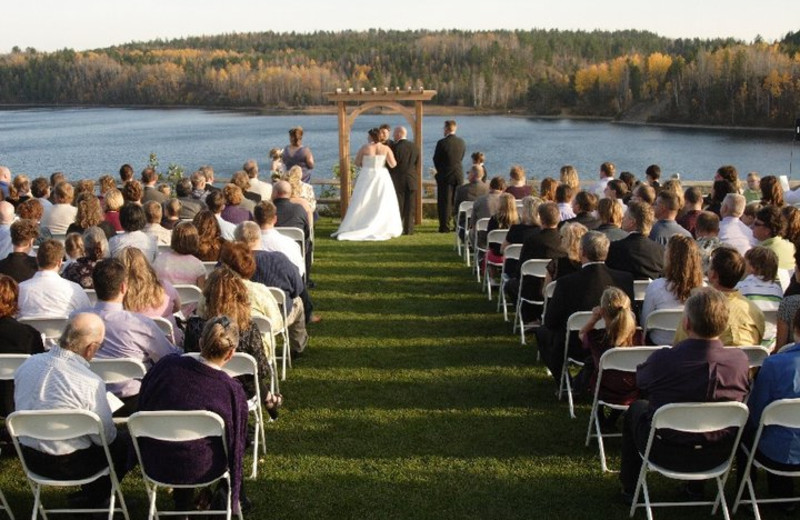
<point x="89" y="142"/>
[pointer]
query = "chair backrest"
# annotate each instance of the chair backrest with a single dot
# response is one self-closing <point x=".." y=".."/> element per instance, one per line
<point x="9" y="363"/>
<point x="535" y="267"/>
<point x="210" y="266"/>
<point x="664" y="319"/>
<point x="166" y="327"/>
<point x="512" y="252"/>
<point x="496" y="236"/>
<point x="639" y="289"/>
<point x="189" y="293"/>
<point x="783" y="412"/>
<point x="465" y="206"/>
<point x="279" y="295"/>
<point x="578" y="319"/>
<point x="176" y="425"/>
<point x="482" y="224"/>
<point x="51" y="328"/>
<point x="117" y="370"/>
<point x="241" y="364"/>
<point x="625" y="359"/>
<point x="264" y="325"/>
<point x="293" y="233"/>
<point x="54" y="425"/>
<point x="92" y="295"/>
<point x="756" y="354"/>
<point x="700" y="417"/>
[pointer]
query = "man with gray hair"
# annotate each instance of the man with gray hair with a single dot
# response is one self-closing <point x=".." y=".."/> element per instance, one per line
<point x="580" y="291"/>
<point x="264" y="189"/>
<point x="405" y="177"/>
<point x="61" y="379"/>
<point x="732" y="231"/>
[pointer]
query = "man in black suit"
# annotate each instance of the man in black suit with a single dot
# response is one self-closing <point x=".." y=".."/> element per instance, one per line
<point x="636" y="253"/>
<point x="404" y="177"/>
<point x="149" y="179"/>
<point x="190" y="206"/>
<point x="584" y="203"/>
<point x="575" y="292"/>
<point x="449" y="172"/>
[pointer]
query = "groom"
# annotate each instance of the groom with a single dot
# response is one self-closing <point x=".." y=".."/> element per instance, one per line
<point x="404" y="177"/>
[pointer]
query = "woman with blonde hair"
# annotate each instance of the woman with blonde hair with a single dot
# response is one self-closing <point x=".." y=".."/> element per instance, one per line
<point x="620" y="331"/>
<point x="90" y="214"/>
<point x="518" y="185"/>
<point x="571" y="234"/>
<point x="95" y="248"/>
<point x="569" y="176"/>
<point x="683" y="271"/>
<point x="298" y="155"/>
<point x="505" y="217"/>
<point x="302" y="193"/>
<point x="147" y="294"/>
<point x="610" y="215"/>
<point x="528" y="222"/>
<point x="113" y="201"/>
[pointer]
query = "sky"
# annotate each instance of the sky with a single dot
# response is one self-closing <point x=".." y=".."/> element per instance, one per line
<point x="48" y="25"/>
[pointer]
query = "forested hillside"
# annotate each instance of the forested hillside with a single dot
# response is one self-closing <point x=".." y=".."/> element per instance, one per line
<point x="620" y="74"/>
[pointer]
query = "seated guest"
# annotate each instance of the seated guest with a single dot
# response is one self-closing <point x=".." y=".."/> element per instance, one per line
<point x="486" y="205"/>
<point x="580" y="291"/>
<point x="293" y="215"/>
<point x="47" y="295"/>
<point x="505" y="217"/>
<point x="692" y="206"/>
<point x="753" y="191"/>
<point x="719" y="190"/>
<point x="19" y="265"/>
<point x="470" y="191"/>
<point x="771" y="191"/>
<point x="146" y="294"/>
<point x="569" y="175"/>
<point x="261" y="188"/>
<point x="266" y="216"/>
<point x="619" y="331"/>
<point x="40" y="189"/>
<point x="528" y="223"/>
<point x="113" y="201"/>
<point x="616" y="190"/>
<point x="172" y="210"/>
<point x="61" y="379"/>
<point x="238" y="257"/>
<point x="302" y="193"/>
<point x="653" y="174"/>
<point x="190" y="205"/>
<point x="215" y="200"/>
<point x="479" y="162"/>
<point x="636" y="253"/>
<point x="631" y="182"/>
<point x="133" y="222"/>
<point x="154" y="229"/>
<point x="746" y="324"/>
<point x="706" y="229"/>
<point x="564" y="196"/>
<point x="699" y="369"/>
<point x="179" y="265"/>
<point x="791" y="231"/>
<point x="33" y="210"/>
<point x="128" y="334"/>
<point x="610" y="218"/>
<point x="607" y="172"/>
<point x="204" y="386"/>
<point x="518" y="185"/>
<point x="95" y="248"/>
<point x="761" y="285"/>
<point x="6" y="219"/>
<point x="749" y="214"/>
<point x="249" y="198"/>
<point x="666" y="210"/>
<point x="209" y="234"/>
<point x="778" y="446"/>
<point x="18" y="338"/>
<point x="150" y="191"/>
<point x="62" y="214"/>
<point x="788" y="307"/>
<point x="234" y="211"/>
<point x="132" y="192"/>
<point x="547" y="189"/>
<point x="767" y="228"/>
<point x="732" y="231"/>
<point x="90" y="214"/>
<point x="571" y="235"/>
<point x="125" y="173"/>
<point x="682" y="273"/>
<point x="584" y="205"/>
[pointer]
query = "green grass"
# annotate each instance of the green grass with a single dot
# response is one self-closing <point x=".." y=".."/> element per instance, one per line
<point x="415" y="401"/>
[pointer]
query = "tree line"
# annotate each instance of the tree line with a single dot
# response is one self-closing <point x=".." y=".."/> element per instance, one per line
<point x="625" y="74"/>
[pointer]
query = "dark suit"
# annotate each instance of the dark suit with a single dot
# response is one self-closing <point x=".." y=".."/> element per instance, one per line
<point x="447" y="159"/>
<point x="405" y="179"/>
<point x="637" y="255"/>
<point x="190" y="207"/>
<point x="584" y="218"/>
<point x="151" y="193"/>
<point x="575" y="292"/>
<point x="541" y="244"/>
<point x="294" y="215"/>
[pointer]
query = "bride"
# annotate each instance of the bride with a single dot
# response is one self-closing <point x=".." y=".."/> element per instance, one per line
<point x="373" y="213"/>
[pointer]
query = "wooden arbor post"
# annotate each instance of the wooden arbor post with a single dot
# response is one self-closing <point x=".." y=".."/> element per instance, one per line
<point x="367" y="100"/>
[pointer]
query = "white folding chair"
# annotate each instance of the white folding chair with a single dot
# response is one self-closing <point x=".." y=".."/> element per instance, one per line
<point x="92" y="295"/>
<point x="189" y="294"/>
<point x="166" y="327"/>
<point x="59" y="425"/>
<point x="575" y="323"/>
<point x="268" y="335"/>
<point x="179" y="426"/>
<point x="480" y="245"/>
<point x="9" y="363"/>
<point x="117" y="370"/>
<point x="664" y="319"/>
<point x="691" y="418"/>
<point x="495" y="236"/>
<point x="639" y="289"/>
<point x="756" y="354"/>
<point x="534" y="268"/>
<point x="783" y="413"/>
<point x="462" y="227"/>
<point x="624" y="359"/>
<point x="209" y="267"/>
<point x="295" y="234"/>
<point x="243" y="364"/>
<point x="50" y="328"/>
<point x="511" y="253"/>
<point x="286" y="358"/>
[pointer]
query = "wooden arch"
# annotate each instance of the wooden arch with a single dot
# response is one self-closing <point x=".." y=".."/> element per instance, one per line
<point x="368" y="100"/>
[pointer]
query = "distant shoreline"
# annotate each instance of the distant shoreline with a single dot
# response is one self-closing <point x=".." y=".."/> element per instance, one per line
<point x="431" y="110"/>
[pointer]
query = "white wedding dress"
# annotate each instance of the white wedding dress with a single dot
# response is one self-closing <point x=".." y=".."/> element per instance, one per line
<point x="373" y="213"/>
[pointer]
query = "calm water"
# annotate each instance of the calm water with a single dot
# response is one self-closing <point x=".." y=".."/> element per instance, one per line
<point x="86" y="143"/>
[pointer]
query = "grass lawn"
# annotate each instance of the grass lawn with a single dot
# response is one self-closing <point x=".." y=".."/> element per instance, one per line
<point x="415" y="401"/>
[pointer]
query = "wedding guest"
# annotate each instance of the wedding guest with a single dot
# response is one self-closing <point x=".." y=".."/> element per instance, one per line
<point x="33" y="210"/>
<point x="719" y="190"/>
<point x="653" y="174"/>
<point x="730" y="174"/>
<point x="616" y="190"/>
<point x="707" y="231"/>
<point x="113" y="202"/>
<point x="771" y="191"/>
<point x="90" y="214"/>
<point x="768" y="227"/>
<point x="302" y="193"/>
<point x="753" y="191"/>
<point x="172" y="211"/>
<point x="210" y="236"/>
<point x="62" y="214"/>
<point x="154" y="229"/>
<point x="73" y="247"/>
<point x="266" y="216"/>
<point x="610" y="217"/>
<point x="607" y="172"/>
<point x="569" y="176"/>
<point x="692" y="206"/>
<point x="259" y="187"/>
<point x="179" y="265"/>
<point x="630" y="182"/>
<point x="234" y="212"/>
<point x="469" y="192"/>
<point x="191" y="195"/>
<point x="479" y="160"/>
<point x="151" y="193"/>
<point x="584" y="205"/>
<point x="518" y="185"/>
<point x="47" y="295"/>
<point x="298" y="155"/>
<point x="504" y="218"/>
<point x="132" y="192"/>
<point x="249" y="198"/>
<point x="133" y="221"/>
<point x="547" y="189"/>
<point x="571" y="234"/>
<point x="95" y="247"/>
<point x="19" y="265"/>
<point x="792" y="230"/>
<point x="215" y="201"/>
<point x="40" y="189"/>
<point x="22" y="188"/>
<point x="666" y="211"/>
<point x="760" y="283"/>
<point x="564" y="196"/>
<point x="749" y="213"/>
<point x="732" y="230"/>
<point x="6" y="219"/>
<point x="125" y="173"/>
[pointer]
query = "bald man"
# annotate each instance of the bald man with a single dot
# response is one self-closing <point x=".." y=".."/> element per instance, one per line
<point x="405" y="177"/>
<point x="293" y="215"/>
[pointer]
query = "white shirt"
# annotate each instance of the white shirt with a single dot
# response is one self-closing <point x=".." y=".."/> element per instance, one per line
<point x="600" y="188"/>
<point x="736" y="234"/>
<point x="226" y="228"/>
<point x="47" y="295"/>
<point x="138" y="239"/>
<point x="272" y="240"/>
<point x="262" y="188"/>
<point x="657" y="297"/>
<point x="766" y="295"/>
<point x="162" y="235"/>
<point x="565" y="208"/>
<point x="59" y="217"/>
<point x="62" y="379"/>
